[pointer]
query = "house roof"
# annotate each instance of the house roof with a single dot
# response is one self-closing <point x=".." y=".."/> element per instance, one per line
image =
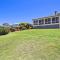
<point x="58" y="14"/>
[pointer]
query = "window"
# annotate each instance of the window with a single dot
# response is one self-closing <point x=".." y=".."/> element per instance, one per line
<point x="35" y="22"/>
<point x="49" y="20"/>
<point x="57" y="19"/>
<point x="53" y="20"/>
<point x="41" y="22"/>
<point x="46" y="21"/>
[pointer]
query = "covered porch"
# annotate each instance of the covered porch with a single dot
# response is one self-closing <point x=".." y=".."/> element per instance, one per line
<point x="46" y="20"/>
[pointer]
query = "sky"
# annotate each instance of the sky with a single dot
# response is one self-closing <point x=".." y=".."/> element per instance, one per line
<point x="17" y="11"/>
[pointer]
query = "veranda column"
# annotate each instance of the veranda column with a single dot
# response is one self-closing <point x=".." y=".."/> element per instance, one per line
<point x="38" y="22"/>
<point x="51" y="20"/>
<point x="44" y="21"/>
<point x="59" y="21"/>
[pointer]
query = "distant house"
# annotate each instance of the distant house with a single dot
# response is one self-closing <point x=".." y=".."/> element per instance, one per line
<point x="5" y="25"/>
<point x="47" y="22"/>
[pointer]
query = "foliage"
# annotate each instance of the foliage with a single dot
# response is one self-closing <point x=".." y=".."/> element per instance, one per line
<point x="12" y="29"/>
<point x="4" y="30"/>
<point x="24" y="26"/>
<point x="15" y="27"/>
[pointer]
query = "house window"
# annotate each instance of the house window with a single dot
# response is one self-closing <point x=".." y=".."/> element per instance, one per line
<point x="35" y="22"/>
<point x="49" y="20"/>
<point x="57" y="19"/>
<point x="41" y="22"/>
<point x="54" y="20"/>
<point x="46" y="21"/>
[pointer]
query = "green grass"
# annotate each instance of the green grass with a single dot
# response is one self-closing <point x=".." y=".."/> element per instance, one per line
<point x="38" y="44"/>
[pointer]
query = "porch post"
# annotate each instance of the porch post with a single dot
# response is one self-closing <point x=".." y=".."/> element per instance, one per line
<point x="51" y="20"/>
<point x="38" y="22"/>
<point x="44" y="21"/>
<point x="59" y="21"/>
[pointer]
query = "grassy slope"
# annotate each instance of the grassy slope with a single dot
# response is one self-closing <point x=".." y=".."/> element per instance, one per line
<point x="31" y="45"/>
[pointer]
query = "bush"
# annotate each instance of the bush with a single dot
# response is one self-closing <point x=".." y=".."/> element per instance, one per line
<point x="12" y="29"/>
<point x="4" y="30"/>
<point x="24" y="26"/>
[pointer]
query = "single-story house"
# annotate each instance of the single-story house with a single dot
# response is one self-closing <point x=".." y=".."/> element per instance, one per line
<point x="47" y="22"/>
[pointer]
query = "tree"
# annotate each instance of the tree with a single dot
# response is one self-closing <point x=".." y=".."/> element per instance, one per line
<point x="4" y="30"/>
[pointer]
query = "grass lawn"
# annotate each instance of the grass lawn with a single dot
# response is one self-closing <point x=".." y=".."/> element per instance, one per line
<point x="35" y="44"/>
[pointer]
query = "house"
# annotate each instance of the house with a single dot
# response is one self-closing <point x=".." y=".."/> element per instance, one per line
<point x="47" y="22"/>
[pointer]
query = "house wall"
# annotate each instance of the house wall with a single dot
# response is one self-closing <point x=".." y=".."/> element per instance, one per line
<point x="49" y="22"/>
<point x="47" y="26"/>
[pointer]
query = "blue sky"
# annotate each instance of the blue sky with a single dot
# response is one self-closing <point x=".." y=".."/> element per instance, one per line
<point x="16" y="11"/>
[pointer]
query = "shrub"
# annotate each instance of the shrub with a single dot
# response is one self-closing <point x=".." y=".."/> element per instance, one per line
<point x="24" y="26"/>
<point x="12" y="29"/>
<point x="4" y="30"/>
